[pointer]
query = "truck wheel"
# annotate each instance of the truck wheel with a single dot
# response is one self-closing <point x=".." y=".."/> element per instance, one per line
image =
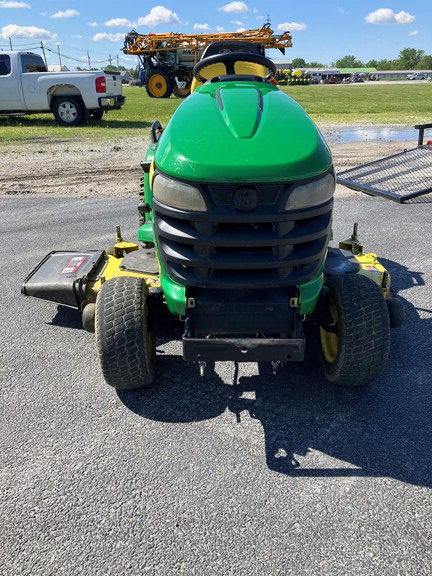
<point x="68" y="110"/>
<point x="158" y="84"/>
<point x="354" y="342"/>
<point x="125" y="346"/>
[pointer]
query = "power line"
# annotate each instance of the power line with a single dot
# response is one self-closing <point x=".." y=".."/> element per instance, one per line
<point x="84" y="59"/>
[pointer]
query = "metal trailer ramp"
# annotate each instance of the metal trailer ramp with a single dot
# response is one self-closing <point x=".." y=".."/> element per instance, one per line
<point x="400" y="177"/>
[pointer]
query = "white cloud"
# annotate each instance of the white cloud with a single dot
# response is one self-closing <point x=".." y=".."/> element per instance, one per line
<point x="234" y="8"/>
<point x="158" y="15"/>
<point x="116" y="22"/>
<point x="65" y="14"/>
<point x="387" y="16"/>
<point x="292" y="26"/>
<point x="14" y="5"/>
<point x="93" y="24"/>
<point x="15" y="31"/>
<point x="413" y="33"/>
<point x="237" y="23"/>
<point x="201" y="27"/>
<point x="103" y="37"/>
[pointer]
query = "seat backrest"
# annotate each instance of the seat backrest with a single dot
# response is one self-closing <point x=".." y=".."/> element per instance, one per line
<point x="240" y="67"/>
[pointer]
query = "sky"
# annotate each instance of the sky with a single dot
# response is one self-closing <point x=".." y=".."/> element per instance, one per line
<point x="322" y="30"/>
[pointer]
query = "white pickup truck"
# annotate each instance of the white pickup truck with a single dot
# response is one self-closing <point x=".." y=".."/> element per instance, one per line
<point x="26" y="87"/>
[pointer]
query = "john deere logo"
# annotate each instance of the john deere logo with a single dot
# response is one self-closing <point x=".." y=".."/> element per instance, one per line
<point x="245" y="198"/>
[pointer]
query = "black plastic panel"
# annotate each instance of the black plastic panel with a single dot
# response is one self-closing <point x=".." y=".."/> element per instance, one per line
<point x="230" y="247"/>
<point x="61" y="276"/>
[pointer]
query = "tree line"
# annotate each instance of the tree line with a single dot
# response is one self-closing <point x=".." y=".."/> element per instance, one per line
<point x="408" y="59"/>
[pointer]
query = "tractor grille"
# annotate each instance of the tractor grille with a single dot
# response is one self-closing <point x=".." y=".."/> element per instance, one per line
<point x="226" y="247"/>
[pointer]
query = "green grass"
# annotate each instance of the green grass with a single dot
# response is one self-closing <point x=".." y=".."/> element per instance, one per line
<point x="404" y="104"/>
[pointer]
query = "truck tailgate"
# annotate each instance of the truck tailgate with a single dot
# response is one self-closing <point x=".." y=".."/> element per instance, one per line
<point x="113" y="83"/>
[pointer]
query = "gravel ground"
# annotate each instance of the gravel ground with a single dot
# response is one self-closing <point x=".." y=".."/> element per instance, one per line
<point x="78" y="168"/>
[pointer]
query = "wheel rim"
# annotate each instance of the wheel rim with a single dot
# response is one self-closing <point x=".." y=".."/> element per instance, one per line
<point x="157" y="85"/>
<point x="182" y="92"/>
<point x="67" y="112"/>
<point x="330" y="340"/>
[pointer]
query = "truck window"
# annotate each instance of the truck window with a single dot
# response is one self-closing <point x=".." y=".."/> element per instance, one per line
<point x="32" y="63"/>
<point x="5" y="65"/>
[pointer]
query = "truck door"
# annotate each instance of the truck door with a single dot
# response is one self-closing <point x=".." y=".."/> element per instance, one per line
<point x="10" y="89"/>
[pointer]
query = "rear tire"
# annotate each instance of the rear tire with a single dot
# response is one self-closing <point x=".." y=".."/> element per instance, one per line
<point x="354" y="344"/>
<point x="68" y="110"/>
<point x="125" y="346"/>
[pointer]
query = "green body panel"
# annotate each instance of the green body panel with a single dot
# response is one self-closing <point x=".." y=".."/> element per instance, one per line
<point x="174" y="293"/>
<point x="309" y="294"/>
<point x="146" y="231"/>
<point x="237" y="132"/>
<point x="241" y="132"/>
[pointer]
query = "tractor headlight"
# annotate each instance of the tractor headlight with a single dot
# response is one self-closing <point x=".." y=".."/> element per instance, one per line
<point x="178" y="194"/>
<point x="311" y="194"/>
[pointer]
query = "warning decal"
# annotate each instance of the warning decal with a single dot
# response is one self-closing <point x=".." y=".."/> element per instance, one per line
<point x="73" y="264"/>
<point x="372" y="269"/>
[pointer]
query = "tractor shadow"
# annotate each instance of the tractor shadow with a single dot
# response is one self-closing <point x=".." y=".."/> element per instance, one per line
<point x="178" y="394"/>
<point x="312" y="428"/>
<point x="66" y="317"/>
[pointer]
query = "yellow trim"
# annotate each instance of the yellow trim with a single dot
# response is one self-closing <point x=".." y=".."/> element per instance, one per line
<point x="371" y="267"/>
<point x="219" y="69"/>
<point x="330" y="340"/>
<point x="110" y="268"/>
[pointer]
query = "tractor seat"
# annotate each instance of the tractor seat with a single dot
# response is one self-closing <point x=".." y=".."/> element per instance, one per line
<point x="242" y="69"/>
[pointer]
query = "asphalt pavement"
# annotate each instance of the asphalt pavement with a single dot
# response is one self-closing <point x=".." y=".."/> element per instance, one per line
<point x="241" y="472"/>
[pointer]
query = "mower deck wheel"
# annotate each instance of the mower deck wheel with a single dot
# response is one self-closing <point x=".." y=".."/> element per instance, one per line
<point x="125" y="346"/>
<point x="354" y="344"/>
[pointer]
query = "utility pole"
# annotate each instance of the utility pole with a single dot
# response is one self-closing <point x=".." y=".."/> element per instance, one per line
<point x="110" y="60"/>
<point x="88" y="58"/>
<point x="58" y="50"/>
<point x="118" y="67"/>
<point x="44" y="55"/>
<point x="10" y="42"/>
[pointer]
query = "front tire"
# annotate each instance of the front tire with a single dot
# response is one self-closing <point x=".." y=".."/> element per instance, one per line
<point x="68" y="110"/>
<point x="354" y="342"/>
<point x="125" y="345"/>
<point x="158" y="84"/>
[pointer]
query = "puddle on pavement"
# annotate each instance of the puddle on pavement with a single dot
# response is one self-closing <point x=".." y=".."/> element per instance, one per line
<point x="374" y="133"/>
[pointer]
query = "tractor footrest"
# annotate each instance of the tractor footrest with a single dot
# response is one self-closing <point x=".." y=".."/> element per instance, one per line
<point x="243" y="349"/>
<point x="61" y="277"/>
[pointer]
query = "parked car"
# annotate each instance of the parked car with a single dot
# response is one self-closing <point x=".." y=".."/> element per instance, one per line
<point x="417" y="76"/>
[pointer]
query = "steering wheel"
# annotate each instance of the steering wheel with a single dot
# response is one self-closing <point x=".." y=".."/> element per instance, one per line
<point x="229" y="59"/>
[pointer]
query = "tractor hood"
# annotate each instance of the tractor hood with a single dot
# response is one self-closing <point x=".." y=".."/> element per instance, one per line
<point x="241" y="131"/>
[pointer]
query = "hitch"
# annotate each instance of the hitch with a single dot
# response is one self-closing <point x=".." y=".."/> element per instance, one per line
<point x="352" y="244"/>
<point x="202" y="365"/>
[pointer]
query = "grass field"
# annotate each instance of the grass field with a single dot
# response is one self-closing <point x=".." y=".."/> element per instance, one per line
<point x="403" y="104"/>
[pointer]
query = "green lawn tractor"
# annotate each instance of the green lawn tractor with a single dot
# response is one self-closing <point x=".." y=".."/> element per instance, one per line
<point x="234" y="241"/>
